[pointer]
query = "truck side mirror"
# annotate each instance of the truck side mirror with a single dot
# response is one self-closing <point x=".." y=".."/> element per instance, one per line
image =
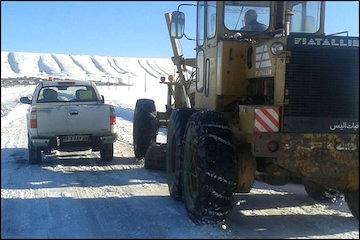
<point x="177" y="24"/>
<point x="25" y="100"/>
<point x="102" y="99"/>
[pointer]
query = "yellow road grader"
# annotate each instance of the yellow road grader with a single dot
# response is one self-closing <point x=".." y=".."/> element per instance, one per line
<point x="270" y="98"/>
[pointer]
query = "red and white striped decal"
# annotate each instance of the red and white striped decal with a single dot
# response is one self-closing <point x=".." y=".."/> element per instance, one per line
<point x="266" y="119"/>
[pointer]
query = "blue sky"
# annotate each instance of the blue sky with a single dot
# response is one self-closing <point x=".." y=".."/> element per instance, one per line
<point x="132" y="29"/>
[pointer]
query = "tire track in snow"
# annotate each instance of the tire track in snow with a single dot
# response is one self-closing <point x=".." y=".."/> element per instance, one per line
<point x="10" y="98"/>
<point x="14" y="129"/>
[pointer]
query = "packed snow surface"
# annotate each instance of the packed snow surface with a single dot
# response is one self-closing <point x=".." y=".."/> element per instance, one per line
<point x="74" y="195"/>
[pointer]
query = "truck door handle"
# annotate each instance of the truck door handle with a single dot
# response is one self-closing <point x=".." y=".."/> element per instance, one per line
<point x="73" y="112"/>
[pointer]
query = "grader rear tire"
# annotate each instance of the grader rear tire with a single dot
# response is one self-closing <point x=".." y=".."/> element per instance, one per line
<point x="317" y="191"/>
<point x="174" y="150"/>
<point x="209" y="169"/>
<point x="145" y="126"/>
<point x="352" y="200"/>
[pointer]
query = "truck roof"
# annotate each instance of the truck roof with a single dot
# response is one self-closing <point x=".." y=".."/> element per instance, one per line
<point x="65" y="82"/>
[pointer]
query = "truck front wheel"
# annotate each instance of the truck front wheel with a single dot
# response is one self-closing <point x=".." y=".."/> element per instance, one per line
<point x="209" y="168"/>
<point x="107" y="152"/>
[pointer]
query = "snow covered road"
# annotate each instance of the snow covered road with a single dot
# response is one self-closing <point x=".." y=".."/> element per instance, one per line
<point x="76" y="196"/>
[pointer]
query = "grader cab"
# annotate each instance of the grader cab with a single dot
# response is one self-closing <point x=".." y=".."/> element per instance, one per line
<point x="272" y="98"/>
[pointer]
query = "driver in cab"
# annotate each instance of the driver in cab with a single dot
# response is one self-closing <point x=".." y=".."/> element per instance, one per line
<point x="251" y="23"/>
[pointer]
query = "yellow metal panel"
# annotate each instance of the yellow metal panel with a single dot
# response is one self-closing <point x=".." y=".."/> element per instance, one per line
<point x="233" y="60"/>
<point x="246" y="119"/>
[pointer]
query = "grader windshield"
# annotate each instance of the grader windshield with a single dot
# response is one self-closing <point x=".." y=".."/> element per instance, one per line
<point x="247" y="15"/>
<point x="306" y="16"/>
<point x="255" y="16"/>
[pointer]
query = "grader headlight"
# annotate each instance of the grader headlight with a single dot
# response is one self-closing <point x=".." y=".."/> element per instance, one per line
<point x="277" y="48"/>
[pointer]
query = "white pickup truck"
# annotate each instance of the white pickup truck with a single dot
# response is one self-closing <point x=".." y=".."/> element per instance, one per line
<point x="69" y="116"/>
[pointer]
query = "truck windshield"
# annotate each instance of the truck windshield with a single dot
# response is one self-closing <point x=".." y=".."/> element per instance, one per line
<point x="246" y="16"/>
<point x="67" y="94"/>
<point x="306" y="18"/>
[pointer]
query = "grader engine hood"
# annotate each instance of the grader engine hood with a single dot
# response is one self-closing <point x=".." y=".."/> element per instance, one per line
<point x="322" y="84"/>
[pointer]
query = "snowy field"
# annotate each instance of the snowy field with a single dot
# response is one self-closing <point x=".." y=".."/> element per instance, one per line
<point x="77" y="196"/>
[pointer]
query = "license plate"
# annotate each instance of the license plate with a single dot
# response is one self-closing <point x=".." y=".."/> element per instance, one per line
<point x="75" y="138"/>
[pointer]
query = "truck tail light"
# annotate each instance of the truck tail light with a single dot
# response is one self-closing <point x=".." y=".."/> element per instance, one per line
<point x="33" y="119"/>
<point x="112" y="116"/>
<point x="112" y="120"/>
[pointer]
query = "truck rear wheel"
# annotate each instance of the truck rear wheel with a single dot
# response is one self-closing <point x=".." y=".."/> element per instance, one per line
<point x="209" y="169"/>
<point x="317" y="191"/>
<point x="107" y="152"/>
<point x="174" y="149"/>
<point x="352" y="200"/>
<point x="34" y="153"/>
<point x="145" y="126"/>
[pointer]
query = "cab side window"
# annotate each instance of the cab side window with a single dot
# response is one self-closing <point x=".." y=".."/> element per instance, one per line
<point x="200" y="41"/>
<point x="200" y="23"/>
<point x="211" y="19"/>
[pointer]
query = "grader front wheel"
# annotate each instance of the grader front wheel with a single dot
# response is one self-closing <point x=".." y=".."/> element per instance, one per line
<point x="209" y="168"/>
<point x="175" y="150"/>
<point x="145" y="126"/>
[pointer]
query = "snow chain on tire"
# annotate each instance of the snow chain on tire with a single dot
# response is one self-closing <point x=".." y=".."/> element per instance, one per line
<point x="317" y="191"/>
<point x="209" y="169"/>
<point x="175" y="150"/>
<point x="352" y="200"/>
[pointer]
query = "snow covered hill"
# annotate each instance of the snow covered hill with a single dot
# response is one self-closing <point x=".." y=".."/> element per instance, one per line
<point x="119" y="70"/>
